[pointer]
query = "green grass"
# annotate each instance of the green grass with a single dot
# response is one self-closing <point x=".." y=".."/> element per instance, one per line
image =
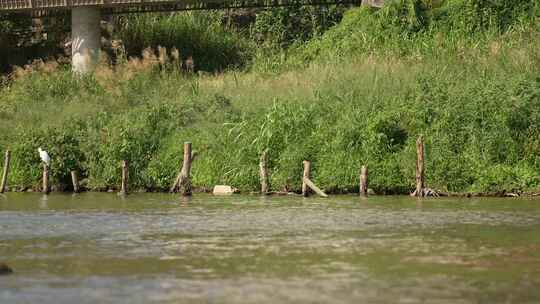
<point x="353" y="96"/>
<point x="200" y="35"/>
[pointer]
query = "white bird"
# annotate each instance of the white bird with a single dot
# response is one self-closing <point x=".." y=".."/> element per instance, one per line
<point x="44" y="156"/>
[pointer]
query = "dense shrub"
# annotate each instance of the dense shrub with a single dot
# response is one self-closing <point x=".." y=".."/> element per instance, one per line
<point x="200" y="35"/>
<point x="282" y="26"/>
<point x="62" y="145"/>
<point x="419" y="28"/>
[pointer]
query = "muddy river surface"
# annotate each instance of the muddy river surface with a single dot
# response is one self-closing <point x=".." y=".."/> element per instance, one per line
<point x="160" y="248"/>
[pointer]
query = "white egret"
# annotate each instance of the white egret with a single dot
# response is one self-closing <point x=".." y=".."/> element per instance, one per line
<point x="44" y="156"/>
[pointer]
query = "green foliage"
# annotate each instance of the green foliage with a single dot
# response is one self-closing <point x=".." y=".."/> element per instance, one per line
<point x="61" y="144"/>
<point x="283" y="26"/>
<point x="481" y="131"/>
<point x="134" y="136"/>
<point x="200" y="35"/>
<point x="20" y="44"/>
<point x="418" y="28"/>
<point x="475" y="16"/>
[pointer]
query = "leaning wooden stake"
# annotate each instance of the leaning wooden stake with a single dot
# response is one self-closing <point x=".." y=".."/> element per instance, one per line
<point x="45" y="187"/>
<point x="364" y="180"/>
<point x="308" y="184"/>
<point x="419" y="167"/>
<point x="75" y="181"/>
<point x="183" y="180"/>
<point x="125" y="177"/>
<point x="263" y="172"/>
<point x="313" y="187"/>
<point x="305" y="189"/>
<point x="6" y="172"/>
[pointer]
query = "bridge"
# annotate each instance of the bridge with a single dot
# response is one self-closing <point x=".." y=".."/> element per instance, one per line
<point x="86" y="16"/>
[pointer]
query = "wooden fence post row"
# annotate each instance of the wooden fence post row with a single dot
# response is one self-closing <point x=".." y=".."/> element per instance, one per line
<point x="183" y="185"/>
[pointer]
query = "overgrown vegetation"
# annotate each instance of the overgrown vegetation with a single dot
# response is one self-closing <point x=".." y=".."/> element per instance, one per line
<point x="464" y="73"/>
<point x="202" y="36"/>
<point x="21" y="44"/>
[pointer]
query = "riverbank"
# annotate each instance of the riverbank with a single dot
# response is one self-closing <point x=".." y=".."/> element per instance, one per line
<point x="204" y="190"/>
<point x="478" y="122"/>
<point x="475" y="101"/>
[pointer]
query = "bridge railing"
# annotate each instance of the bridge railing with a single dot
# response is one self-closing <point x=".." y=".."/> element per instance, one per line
<point x="121" y="6"/>
<point x="15" y="4"/>
<point x="46" y="4"/>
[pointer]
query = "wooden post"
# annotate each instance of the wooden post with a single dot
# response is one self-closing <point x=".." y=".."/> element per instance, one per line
<point x="305" y="188"/>
<point x="125" y="177"/>
<point x="419" y="166"/>
<point x="313" y="187"/>
<point x="45" y="187"/>
<point x="364" y="180"/>
<point x="6" y="172"/>
<point x="75" y="181"/>
<point x="186" y="165"/>
<point x="180" y="177"/>
<point x="263" y="171"/>
<point x="307" y="184"/>
<point x="185" y="182"/>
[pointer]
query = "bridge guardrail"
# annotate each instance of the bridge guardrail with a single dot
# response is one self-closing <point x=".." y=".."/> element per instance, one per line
<point x="44" y="7"/>
<point x="15" y="4"/>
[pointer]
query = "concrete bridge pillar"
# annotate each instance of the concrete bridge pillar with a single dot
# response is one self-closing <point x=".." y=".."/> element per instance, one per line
<point x="85" y="38"/>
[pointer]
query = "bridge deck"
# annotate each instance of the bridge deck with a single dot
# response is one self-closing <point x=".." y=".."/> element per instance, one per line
<point x="42" y="7"/>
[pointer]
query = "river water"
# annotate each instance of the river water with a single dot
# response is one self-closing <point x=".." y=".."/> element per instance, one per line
<point x="160" y="248"/>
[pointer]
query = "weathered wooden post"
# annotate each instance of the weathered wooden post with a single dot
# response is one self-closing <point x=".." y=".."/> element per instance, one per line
<point x="183" y="179"/>
<point x="75" y="181"/>
<point x="45" y="186"/>
<point x="185" y="182"/>
<point x="419" y="167"/>
<point x="307" y="184"/>
<point x="364" y="180"/>
<point x="314" y="187"/>
<point x="6" y="172"/>
<point x="263" y="171"/>
<point x="125" y="177"/>
<point x="305" y="188"/>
